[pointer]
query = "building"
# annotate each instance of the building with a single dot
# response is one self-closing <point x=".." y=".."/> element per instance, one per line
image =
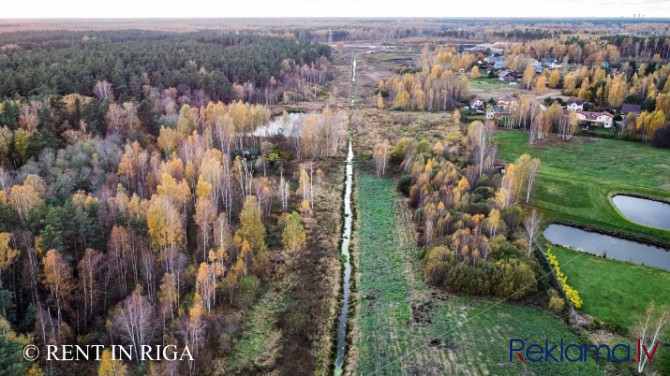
<point x="494" y="112"/>
<point x="575" y="105"/>
<point x="498" y="63"/>
<point x="506" y="76"/>
<point x="247" y="154"/>
<point x="629" y="107"/>
<point x="510" y="104"/>
<point x="604" y="119"/>
<point x="551" y="63"/>
<point x="477" y="104"/>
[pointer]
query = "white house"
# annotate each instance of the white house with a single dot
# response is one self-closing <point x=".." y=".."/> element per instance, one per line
<point x="597" y="118"/>
<point x="575" y="105"/>
<point x="477" y="104"/>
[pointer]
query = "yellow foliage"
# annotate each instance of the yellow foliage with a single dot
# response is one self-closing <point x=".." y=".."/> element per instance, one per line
<point x="571" y="293"/>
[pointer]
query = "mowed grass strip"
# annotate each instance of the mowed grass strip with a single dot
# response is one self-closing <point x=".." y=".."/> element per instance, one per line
<point x="408" y="328"/>
<point x="577" y="178"/>
<point x="614" y="291"/>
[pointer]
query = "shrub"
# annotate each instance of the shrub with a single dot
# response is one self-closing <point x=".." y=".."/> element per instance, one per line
<point x="556" y="304"/>
<point x="513" y="278"/>
<point x="405" y="184"/>
<point x="437" y="265"/>
<point x="397" y="154"/>
<point x="662" y="138"/>
<point x="571" y="293"/>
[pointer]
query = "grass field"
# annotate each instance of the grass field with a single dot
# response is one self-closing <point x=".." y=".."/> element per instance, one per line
<point x="256" y="347"/>
<point x="488" y="83"/>
<point x="577" y="178"/>
<point x="613" y="291"/>
<point x="406" y="328"/>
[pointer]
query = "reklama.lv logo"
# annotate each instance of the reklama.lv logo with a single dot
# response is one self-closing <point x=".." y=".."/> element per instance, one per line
<point x="575" y="353"/>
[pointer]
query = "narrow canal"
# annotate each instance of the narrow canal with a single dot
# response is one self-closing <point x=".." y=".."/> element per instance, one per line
<point x="344" y="250"/>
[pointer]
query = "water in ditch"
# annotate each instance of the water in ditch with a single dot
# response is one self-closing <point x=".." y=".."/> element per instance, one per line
<point x="344" y="250"/>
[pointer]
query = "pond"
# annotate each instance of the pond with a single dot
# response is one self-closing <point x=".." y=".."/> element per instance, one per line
<point x="608" y="246"/>
<point x="644" y="211"/>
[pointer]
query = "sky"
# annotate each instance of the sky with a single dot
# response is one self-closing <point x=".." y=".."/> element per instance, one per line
<point x="329" y="8"/>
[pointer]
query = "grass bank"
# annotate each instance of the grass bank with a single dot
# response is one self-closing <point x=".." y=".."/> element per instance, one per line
<point x="577" y="179"/>
<point x="615" y="292"/>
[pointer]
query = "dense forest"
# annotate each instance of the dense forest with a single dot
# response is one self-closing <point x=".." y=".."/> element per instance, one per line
<point x="59" y="63"/>
<point x="129" y="199"/>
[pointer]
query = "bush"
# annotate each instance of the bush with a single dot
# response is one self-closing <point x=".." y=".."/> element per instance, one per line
<point x="662" y="138"/>
<point x="513" y="279"/>
<point x="397" y="154"/>
<point x="556" y="304"/>
<point x="571" y="293"/>
<point x="405" y="184"/>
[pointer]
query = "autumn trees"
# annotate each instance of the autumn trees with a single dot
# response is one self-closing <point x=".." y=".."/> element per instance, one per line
<point x="294" y="237"/>
<point x="380" y="157"/>
<point x="466" y="221"/>
<point x="436" y="87"/>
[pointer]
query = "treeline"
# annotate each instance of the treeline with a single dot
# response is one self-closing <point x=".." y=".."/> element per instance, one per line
<point x="525" y="34"/>
<point x="40" y="63"/>
<point x="630" y="45"/>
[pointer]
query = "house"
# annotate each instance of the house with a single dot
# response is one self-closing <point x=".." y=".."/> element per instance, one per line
<point x="494" y="112"/>
<point x="575" y="105"/>
<point x="498" y="63"/>
<point x="510" y="104"/>
<point x="605" y="64"/>
<point x="247" y="154"/>
<point x="629" y="107"/>
<point x="596" y="118"/>
<point x="551" y="63"/>
<point x="506" y="75"/>
<point x="477" y="104"/>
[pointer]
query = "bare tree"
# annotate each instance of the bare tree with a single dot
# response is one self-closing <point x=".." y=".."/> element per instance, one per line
<point x="533" y="166"/>
<point x="103" y="90"/>
<point x="532" y="225"/>
<point x="478" y="143"/>
<point x="284" y="190"/>
<point x="380" y="157"/>
<point x="650" y="328"/>
<point x="134" y="320"/>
